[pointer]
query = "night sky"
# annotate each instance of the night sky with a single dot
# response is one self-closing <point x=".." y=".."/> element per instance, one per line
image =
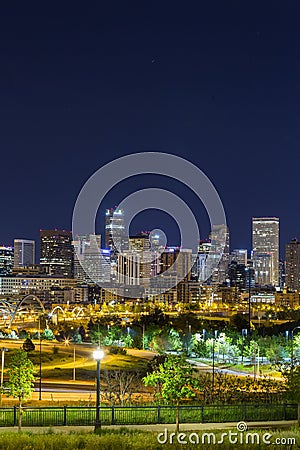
<point x="215" y="82"/>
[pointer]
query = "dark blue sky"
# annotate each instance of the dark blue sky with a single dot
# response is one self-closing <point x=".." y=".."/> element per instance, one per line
<point x="215" y="82"/>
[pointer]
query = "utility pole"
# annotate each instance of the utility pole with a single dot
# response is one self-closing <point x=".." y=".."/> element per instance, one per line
<point x="74" y="368"/>
<point x="40" y="385"/>
<point x="3" y="350"/>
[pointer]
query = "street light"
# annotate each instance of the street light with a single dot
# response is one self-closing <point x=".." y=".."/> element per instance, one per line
<point x="40" y="337"/>
<point x="98" y="355"/>
<point x="3" y="350"/>
<point x="248" y="271"/>
<point x="292" y="355"/>
<point x="214" y="336"/>
<point x="74" y="361"/>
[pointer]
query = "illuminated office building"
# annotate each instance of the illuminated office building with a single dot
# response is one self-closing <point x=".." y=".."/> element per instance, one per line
<point x="265" y="241"/>
<point x="24" y="252"/>
<point x="292" y="257"/>
<point x="240" y="256"/>
<point x="115" y="239"/>
<point x="56" y="252"/>
<point x="6" y="260"/>
<point x="91" y="264"/>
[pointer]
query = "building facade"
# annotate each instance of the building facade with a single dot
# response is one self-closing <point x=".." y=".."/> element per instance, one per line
<point x="115" y="239"/>
<point x="292" y="258"/>
<point x="6" y="260"/>
<point x="56" y="252"/>
<point x="265" y="241"/>
<point x="24" y="252"/>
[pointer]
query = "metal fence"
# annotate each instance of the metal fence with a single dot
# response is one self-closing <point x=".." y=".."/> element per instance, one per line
<point x="134" y="415"/>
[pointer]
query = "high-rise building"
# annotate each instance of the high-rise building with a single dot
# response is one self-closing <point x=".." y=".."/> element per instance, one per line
<point x="129" y="268"/>
<point x="87" y="262"/>
<point x="265" y="241"/>
<point x="115" y="238"/>
<point x="263" y="268"/>
<point x="6" y="260"/>
<point x="24" y="252"/>
<point x="140" y="243"/>
<point x="178" y="261"/>
<point x="240" y="256"/>
<point x="219" y="238"/>
<point x="203" y="252"/>
<point x="240" y="276"/>
<point x="56" y="252"/>
<point x="292" y="257"/>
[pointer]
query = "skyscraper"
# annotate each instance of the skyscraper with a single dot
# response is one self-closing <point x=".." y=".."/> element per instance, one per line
<point x="240" y="256"/>
<point x="115" y="230"/>
<point x="6" y="260"/>
<point x="56" y="252"/>
<point x="265" y="245"/>
<point x="91" y="265"/>
<point x="292" y="257"/>
<point x="220" y="248"/>
<point x="203" y="251"/>
<point x="24" y="251"/>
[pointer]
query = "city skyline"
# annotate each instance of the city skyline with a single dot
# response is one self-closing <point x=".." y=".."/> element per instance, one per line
<point x="221" y="90"/>
<point x="104" y="236"/>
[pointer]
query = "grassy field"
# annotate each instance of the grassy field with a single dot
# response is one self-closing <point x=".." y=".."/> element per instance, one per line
<point x="87" y="371"/>
<point x="124" y="439"/>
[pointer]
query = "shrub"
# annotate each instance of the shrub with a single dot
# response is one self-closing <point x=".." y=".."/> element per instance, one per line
<point x="114" y="350"/>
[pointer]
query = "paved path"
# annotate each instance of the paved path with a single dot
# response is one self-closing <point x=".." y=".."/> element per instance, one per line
<point x="158" y="428"/>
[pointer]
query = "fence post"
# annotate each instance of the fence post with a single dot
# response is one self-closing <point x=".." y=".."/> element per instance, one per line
<point x="158" y="413"/>
<point x="112" y="415"/>
<point x="202" y="414"/>
<point x="15" y="416"/>
<point x="244" y="412"/>
<point x="65" y="416"/>
<point x="284" y="411"/>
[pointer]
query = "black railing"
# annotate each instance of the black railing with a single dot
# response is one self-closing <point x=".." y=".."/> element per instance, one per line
<point x="137" y="415"/>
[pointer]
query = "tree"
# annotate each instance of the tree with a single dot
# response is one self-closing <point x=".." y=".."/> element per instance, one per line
<point x="28" y="345"/>
<point x="21" y="378"/>
<point x="291" y="374"/>
<point x="47" y="334"/>
<point x="120" y="385"/>
<point x="175" y="381"/>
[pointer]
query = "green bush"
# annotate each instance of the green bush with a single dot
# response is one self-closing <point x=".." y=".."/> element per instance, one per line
<point x="114" y="350"/>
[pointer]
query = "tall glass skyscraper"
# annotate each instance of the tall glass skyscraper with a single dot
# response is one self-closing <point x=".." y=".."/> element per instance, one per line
<point x="115" y="230"/>
<point x="56" y="252"/>
<point x="6" y="260"/>
<point x="292" y="256"/>
<point x="265" y="245"/>
<point x="24" y="252"/>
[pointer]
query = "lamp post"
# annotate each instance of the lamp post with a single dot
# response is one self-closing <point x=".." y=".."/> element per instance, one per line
<point x="292" y="353"/>
<point x="214" y="335"/>
<point x="74" y="367"/>
<point x="98" y="355"/>
<point x="249" y="299"/>
<point x="40" y="384"/>
<point x="3" y="350"/>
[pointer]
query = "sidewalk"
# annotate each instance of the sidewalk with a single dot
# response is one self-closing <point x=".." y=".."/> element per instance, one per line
<point x="156" y="428"/>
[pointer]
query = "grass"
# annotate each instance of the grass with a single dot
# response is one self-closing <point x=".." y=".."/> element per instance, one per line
<point x="123" y="439"/>
<point x="88" y="372"/>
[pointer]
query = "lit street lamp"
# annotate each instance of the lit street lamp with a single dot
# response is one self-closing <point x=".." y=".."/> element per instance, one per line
<point x="98" y="355"/>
